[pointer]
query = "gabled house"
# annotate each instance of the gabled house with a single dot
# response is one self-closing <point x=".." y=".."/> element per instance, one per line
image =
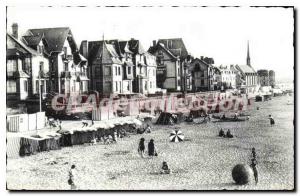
<point x="67" y="68"/>
<point x="172" y="64"/>
<point x="200" y="75"/>
<point x="120" y="67"/>
<point x="105" y="67"/>
<point x="23" y="64"/>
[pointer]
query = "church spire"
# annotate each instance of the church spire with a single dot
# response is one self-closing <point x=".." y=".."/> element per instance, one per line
<point x="248" y="55"/>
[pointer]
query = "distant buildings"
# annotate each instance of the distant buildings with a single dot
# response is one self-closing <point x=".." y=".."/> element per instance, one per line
<point x="272" y="82"/>
<point x="247" y="76"/>
<point x="228" y="76"/>
<point x="263" y="77"/>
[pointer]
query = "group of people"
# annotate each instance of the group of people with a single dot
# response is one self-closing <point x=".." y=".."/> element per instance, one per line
<point x="228" y="134"/>
<point x="151" y="148"/>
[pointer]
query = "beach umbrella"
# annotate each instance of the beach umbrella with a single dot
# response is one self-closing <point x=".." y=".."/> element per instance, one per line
<point x="176" y="136"/>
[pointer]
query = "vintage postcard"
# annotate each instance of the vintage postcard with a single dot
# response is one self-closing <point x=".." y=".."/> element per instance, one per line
<point x="150" y="98"/>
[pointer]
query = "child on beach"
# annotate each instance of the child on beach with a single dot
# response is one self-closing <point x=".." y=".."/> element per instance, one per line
<point x="72" y="174"/>
<point x="165" y="168"/>
<point x="272" y="121"/>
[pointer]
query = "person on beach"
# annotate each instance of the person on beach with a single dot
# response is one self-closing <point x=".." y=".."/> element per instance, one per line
<point x="148" y="129"/>
<point x="221" y="133"/>
<point x="151" y="148"/>
<point x="165" y="168"/>
<point x="272" y="121"/>
<point x="228" y="134"/>
<point x="223" y="117"/>
<point x="141" y="147"/>
<point x="255" y="172"/>
<point x="72" y="174"/>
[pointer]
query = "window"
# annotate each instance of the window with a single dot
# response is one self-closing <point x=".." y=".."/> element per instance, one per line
<point x="41" y="66"/>
<point x="25" y="86"/>
<point x="107" y="87"/>
<point x="146" y="86"/>
<point x="11" y="86"/>
<point x="202" y="82"/>
<point x="116" y="71"/>
<point x="65" y="49"/>
<point x="66" y="67"/>
<point x="107" y="71"/>
<point x="116" y="86"/>
<point x="98" y="85"/>
<point x="128" y="86"/>
<point x="150" y="85"/>
<point x="11" y="65"/>
<point x="153" y="72"/>
<point x="119" y="71"/>
<point x="97" y="71"/>
<point x="40" y="49"/>
<point x="129" y="70"/>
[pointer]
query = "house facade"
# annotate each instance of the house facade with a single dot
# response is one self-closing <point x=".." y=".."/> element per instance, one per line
<point x="200" y="75"/>
<point x="120" y="67"/>
<point x="228" y="76"/>
<point x="25" y="81"/>
<point x="172" y="64"/>
<point x="67" y="68"/>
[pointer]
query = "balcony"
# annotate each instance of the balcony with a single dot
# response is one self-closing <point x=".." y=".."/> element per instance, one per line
<point x="68" y="57"/>
<point x="65" y="74"/>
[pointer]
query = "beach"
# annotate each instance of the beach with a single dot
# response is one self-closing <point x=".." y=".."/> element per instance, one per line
<point x="202" y="162"/>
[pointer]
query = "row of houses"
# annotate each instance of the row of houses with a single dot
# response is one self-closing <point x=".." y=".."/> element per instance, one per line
<point x="48" y="61"/>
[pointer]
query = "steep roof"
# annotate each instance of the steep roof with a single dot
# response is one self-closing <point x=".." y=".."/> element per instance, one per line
<point x="246" y="69"/>
<point x="105" y="51"/>
<point x="22" y="45"/>
<point x="32" y="40"/>
<point x="136" y="47"/>
<point x="153" y="49"/>
<point x="175" y="46"/>
<point x="55" y="37"/>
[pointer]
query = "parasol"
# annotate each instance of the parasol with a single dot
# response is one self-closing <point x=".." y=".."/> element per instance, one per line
<point x="176" y="136"/>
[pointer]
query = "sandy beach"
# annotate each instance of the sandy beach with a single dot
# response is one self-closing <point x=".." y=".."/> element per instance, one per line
<point x="202" y="162"/>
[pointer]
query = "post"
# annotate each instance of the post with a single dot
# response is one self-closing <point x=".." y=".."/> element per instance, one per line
<point x="40" y="92"/>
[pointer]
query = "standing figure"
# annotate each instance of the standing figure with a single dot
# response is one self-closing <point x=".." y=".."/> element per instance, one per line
<point x="272" y="121"/>
<point x="72" y="174"/>
<point x="141" y="148"/>
<point x="253" y="165"/>
<point x="151" y="148"/>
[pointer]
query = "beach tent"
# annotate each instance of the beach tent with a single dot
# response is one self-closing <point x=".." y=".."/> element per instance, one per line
<point x="167" y="118"/>
<point x="13" y="147"/>
<point x="29" y="145"/>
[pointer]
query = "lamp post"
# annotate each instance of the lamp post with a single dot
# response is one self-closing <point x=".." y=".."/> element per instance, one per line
<point x="40" y="93"/>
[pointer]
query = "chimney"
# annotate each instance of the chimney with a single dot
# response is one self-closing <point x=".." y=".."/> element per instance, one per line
<point x="84" y="48"/>
<point x="154" y="42"/>
<point x="15" y="30"/>
<point x="201" y="57"/>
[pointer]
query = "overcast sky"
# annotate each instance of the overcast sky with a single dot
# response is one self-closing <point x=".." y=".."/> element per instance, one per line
<point x="221" y="33"/>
